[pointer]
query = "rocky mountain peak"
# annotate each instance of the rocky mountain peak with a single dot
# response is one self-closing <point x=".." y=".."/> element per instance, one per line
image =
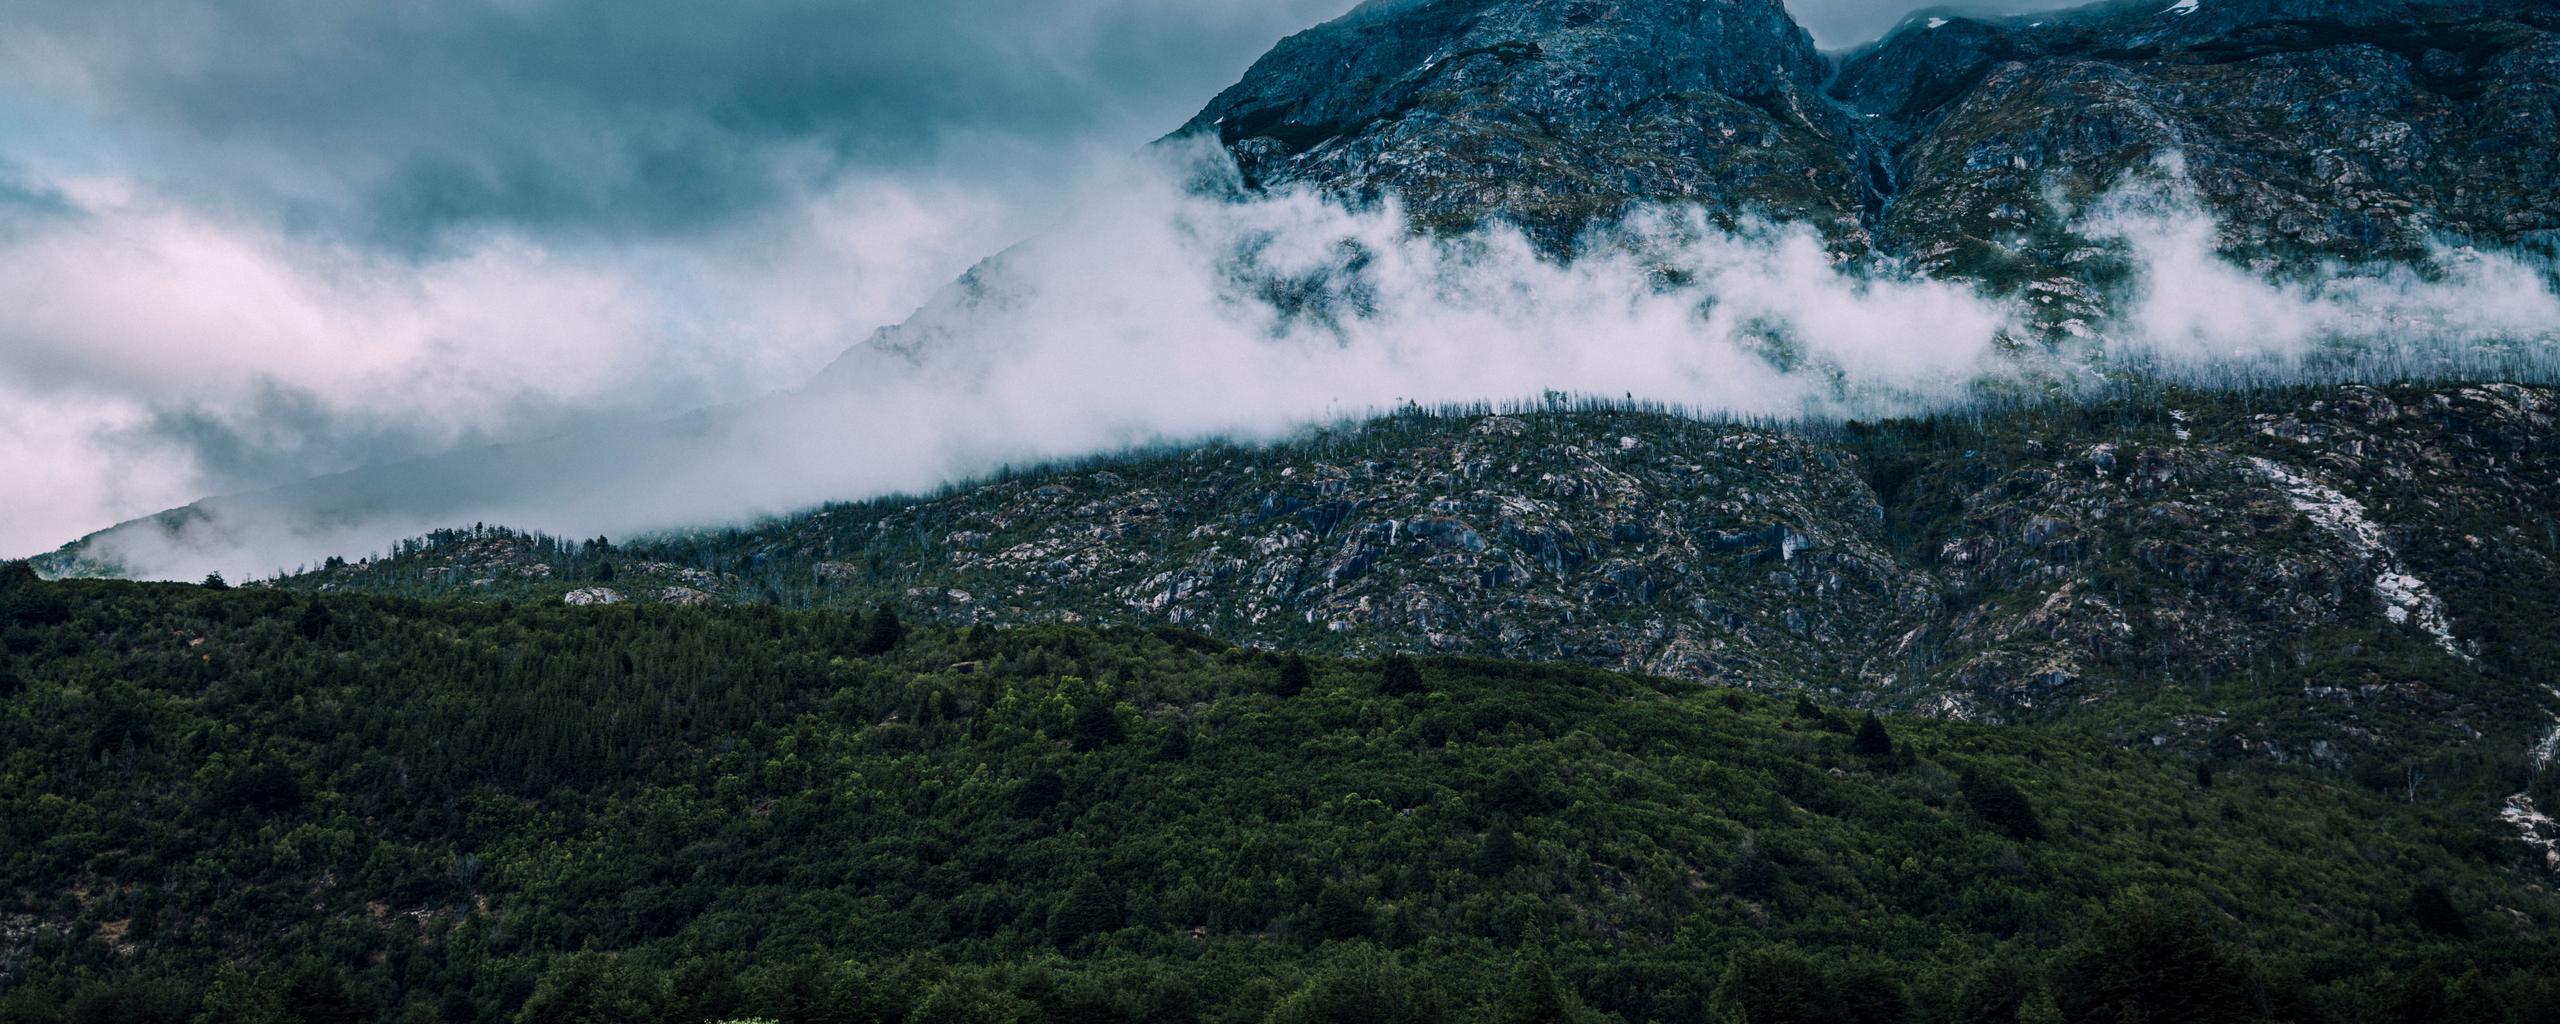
<point x="1549" y="114"/>
<point x="2312" y="129"/>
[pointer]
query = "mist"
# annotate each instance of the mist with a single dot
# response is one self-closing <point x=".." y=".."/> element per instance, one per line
<point x="245" y="243"/>
<point x="1170" y="307"/>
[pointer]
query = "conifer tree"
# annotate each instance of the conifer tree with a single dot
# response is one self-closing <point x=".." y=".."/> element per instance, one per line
<point x="1398" y="676"/>
<point x="1872" y="740"/>
<point x="1097" y="725"/>
<point x="1088" y="908"/>
<point x="1295" y="676"/>
<point x="1340" y="914"/>
<point x="882" y="634"/>
<point x="2002" y="806"/>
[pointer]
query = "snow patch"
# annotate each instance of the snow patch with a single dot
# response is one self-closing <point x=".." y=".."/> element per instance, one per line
<point x="2182" y="7"/>
<point x="1942" y="22"/>
<point x="2405" y="598"/>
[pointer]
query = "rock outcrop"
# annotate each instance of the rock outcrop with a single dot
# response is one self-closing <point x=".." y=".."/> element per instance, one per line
<point x="1552" y="116"/>
<point x="2310" y="129"/>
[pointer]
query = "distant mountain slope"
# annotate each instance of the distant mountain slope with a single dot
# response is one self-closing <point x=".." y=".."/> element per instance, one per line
<point x="2311" y="132"/>
<point x="2310" y="129"/>
<point x="2329" y="128"/>
<point x="2347" y="576"/>
<point x="1972" y="147"/>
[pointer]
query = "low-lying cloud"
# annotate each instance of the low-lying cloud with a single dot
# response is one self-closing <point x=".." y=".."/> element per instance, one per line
<point x="2196" y="312"/>
<point x="152" y="353"/>
<point x="244" y="242"/>
<point x="1164" y="311"/>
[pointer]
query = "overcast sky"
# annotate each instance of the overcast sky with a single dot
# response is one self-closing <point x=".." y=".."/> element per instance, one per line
<point x="246" y="241"/>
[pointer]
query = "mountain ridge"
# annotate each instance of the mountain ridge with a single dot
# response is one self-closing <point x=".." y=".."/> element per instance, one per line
<point x="1963" y="198"/>
<point x="2345" y="576"/>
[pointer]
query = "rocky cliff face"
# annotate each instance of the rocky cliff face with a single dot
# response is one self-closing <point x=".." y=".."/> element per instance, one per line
<point x="2311" y="129"/>
<point x="1551" y="115"/>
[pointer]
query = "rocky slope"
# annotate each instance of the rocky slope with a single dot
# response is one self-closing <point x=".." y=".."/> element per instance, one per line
<point x="2310" y="129"/>
<point x="1551" y="115"/>
<point x="2348" y="576"/>
<point x="2307" y="129"/>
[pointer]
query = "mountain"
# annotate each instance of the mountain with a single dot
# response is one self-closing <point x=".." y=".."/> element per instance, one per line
<point x="1554" y="116"/>
<point x="2346" y="576"/>
<point x="2315" y="135"/>
<point x="2332" y="128"/>
<point x="2090" y="691"/>
<point x="2310" y="129"/>
<point x="1963" y="146"/>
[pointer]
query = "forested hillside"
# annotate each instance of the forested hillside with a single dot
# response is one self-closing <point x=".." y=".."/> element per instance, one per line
<point x="249" y="805"/>
<point x="2358" y="577"/>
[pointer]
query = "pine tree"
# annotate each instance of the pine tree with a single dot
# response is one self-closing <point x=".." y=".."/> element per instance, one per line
<point x="2431" y="908"/>
<point x="2152" y="960"/>
<point x="2039" y="1008"/>
<point x="2002" y="806"/>
<point x="1398" y="676"/>
<point x="1531" y="994"/>
<point x="1360" y="982"/>
<point x="882" y="634"/>
<point x="1088" y="908"/>
<point x="1340" y="914"/>
<point x="1295" y="676"/>
<point x="1778" y="985"/>
<point x="1038" y="793"/>
<point x="317" y="993"/>
<point x="214" y="581"/>
<point x="314" y="620"/>
<point x="1872" y="740"/>
<point x="1097" y="725"/>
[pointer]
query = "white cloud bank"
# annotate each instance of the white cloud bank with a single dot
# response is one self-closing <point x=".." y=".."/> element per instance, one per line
<point x="1157" y="312"/>
<point x="151" y="353"/>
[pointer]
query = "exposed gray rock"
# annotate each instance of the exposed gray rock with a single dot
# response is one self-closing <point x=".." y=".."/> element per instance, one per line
<point x="1550" y="115"/>
<point x="2311" y="129"/>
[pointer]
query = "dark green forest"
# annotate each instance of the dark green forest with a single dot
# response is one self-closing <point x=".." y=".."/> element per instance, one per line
<point x="232" y="805"/>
